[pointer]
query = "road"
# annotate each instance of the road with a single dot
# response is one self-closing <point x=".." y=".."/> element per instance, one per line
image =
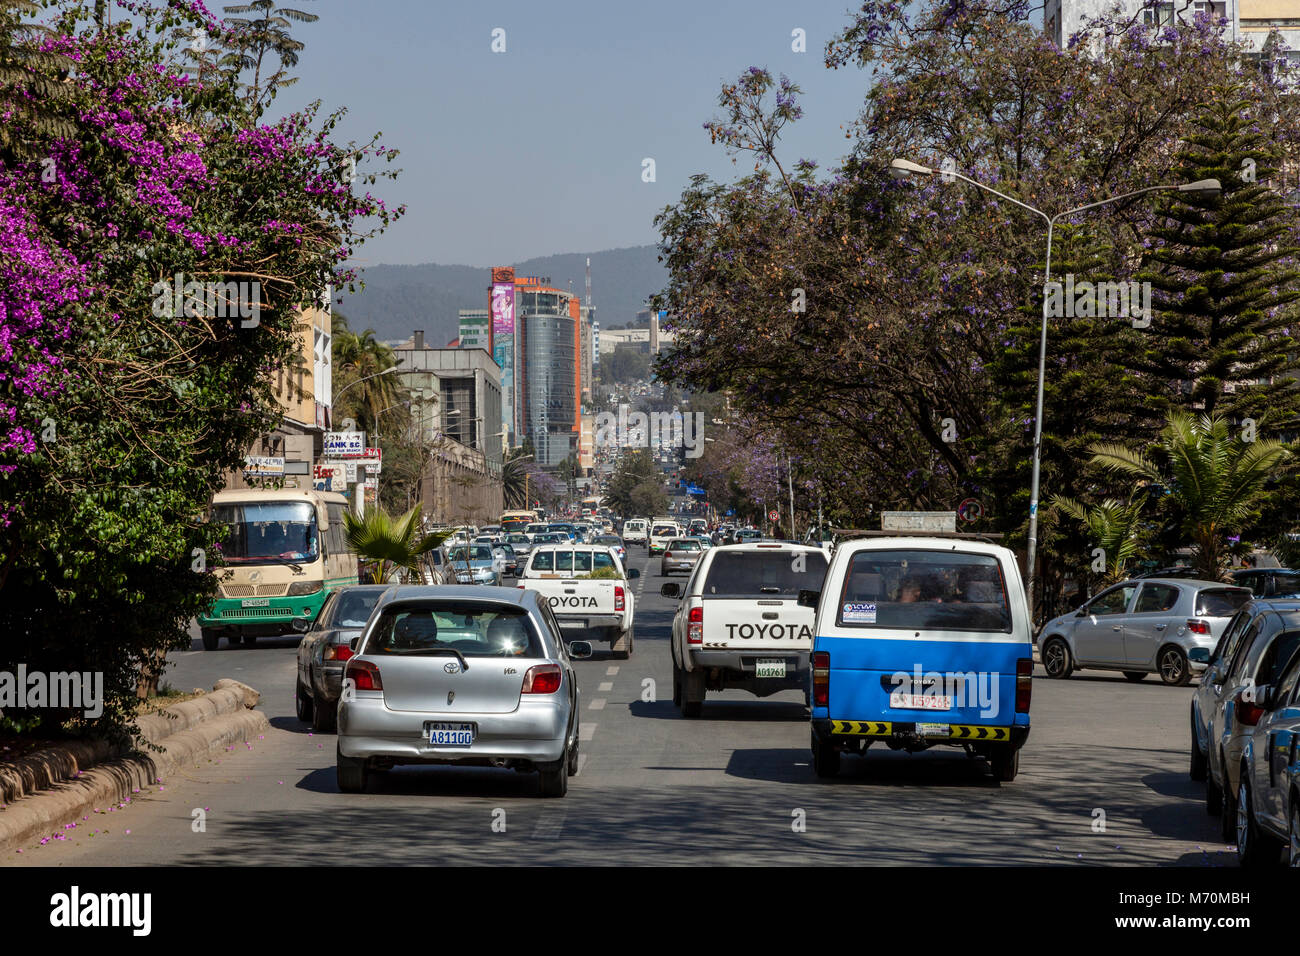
<point x="734" y="787"/>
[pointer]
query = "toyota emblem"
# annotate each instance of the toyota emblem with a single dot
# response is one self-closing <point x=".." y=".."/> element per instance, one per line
<point x="452" y="667"/>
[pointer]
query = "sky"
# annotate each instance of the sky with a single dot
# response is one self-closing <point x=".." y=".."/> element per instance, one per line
<point x="539" y="149"/>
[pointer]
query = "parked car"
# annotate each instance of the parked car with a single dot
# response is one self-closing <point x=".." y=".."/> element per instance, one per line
<point x="1142" y="626"/>
<point x="680" y="554"/>
<point x="1268" y="788"/>
<point x="1206" y="696"/>
<point x="474" y="676"/>
<point x="1268" y="582"/>
<point x="325" y="649"/>
<point x="1264" y="648"/>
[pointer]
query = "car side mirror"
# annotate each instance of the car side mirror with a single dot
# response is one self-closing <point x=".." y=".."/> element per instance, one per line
<point x="671" y="590"/>
<point x="633" y="573"/>
<point x="1199" y="655"/>
<point x="580" y="650"/>
<point x="1082" y="612"/>
<point x="809" y="598"/>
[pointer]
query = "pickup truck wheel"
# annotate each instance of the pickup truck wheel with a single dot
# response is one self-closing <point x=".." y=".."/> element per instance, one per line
<point x="825" y="758"/>
<point x="692" y="694"/>
<point x="622" y="646"/>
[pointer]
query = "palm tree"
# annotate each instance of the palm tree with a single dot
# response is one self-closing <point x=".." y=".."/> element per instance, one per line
<point x="514" y="479"/>
<point x="266" y="33"/>
<point x="1217" y="480"/>
<point x="1113" y="525"/>
<point x="392" y="545"/>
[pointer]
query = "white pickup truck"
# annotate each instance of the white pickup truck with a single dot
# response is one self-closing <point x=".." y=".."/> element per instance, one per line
<point x="740" y="624"/>
<point x="636" y="531"/>
<point x="595" y="609"/>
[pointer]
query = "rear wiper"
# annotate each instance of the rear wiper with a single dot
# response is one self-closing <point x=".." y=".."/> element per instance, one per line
<point x="769" y="590"/>
<point x="434" y="652"/>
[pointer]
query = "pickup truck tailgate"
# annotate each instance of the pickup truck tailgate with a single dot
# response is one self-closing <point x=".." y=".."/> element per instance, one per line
<point x="768" y="624"/>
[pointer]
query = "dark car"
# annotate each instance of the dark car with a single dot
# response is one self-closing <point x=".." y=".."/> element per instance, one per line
<point x="1268" y="582"/>
<point x="325" y="649"/>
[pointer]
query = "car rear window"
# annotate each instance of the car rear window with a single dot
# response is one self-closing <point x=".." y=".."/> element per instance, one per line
<point x="354" y="607"/>
<point x="473" y="628"/>
<point x="684" y="546"/>
<point x="660" y="530"/>
<point x="1221" y="602"/>
<point x="760" y="574"/>
<point x="925" y="590"/>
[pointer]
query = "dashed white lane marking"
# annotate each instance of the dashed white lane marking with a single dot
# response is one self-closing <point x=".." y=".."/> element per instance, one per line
<point x="597" y="704"/>
<point x="611" y="671"/>
<point x="582" y="762"/>
<point x="605" y="686"/>
<point x="549" y="825"/>
<point x="587" y="731"/>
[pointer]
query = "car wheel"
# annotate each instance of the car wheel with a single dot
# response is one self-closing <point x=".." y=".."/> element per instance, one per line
<point x="1255" y="848"/>
<point x="1005" y="761"/>
<point x="1135" y="676"/>
<point x="303" y="703"/>
<point x="326" y="717"/>
<point x="1295" y="831"/>
<point x="1196" y="770"/>
<point x="352" y="773"/>
<point x="692" y="694"/>
<point x="210" y="638"/>
<point x="1056" y="658"/>
<point x="573" y="757"/>
<point x="1174" y="670"/>
<point x="677" y="685"/>
<point x="622" y="647"/>
<point x="555" y="783"/>
<point x="825" y="758"/>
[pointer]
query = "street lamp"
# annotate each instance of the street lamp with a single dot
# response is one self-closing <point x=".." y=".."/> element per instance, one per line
<point x="1205" y="188"/>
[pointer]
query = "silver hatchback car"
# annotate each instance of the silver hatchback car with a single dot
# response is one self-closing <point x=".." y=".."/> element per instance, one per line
<point x="471" y="675"/>
<point x="1142" y="626"/>
<point x="680" y="554"/>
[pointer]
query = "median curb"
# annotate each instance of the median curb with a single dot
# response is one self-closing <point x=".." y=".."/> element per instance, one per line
<point x="62" y="785"/>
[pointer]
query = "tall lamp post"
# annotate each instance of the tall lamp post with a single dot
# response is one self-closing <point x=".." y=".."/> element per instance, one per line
<point x="903" y="169"/>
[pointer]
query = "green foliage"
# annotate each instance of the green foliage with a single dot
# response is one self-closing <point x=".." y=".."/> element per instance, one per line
<point x="391" y="544"/>
<point x="1113" y="526"/>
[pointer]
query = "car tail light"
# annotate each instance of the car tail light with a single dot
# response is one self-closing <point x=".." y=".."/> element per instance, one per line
<point x="1248" y="711"/>
<point x="618" y="598"/>
<point x="821" y="679"/>
<point x="695" y="626"/>
<point x="542" y="679"/>
<point x="364" y="675"/>
<point x="338" y="652"/>
<point x="1024" y="683"/>
<point x="1198" y="627"/>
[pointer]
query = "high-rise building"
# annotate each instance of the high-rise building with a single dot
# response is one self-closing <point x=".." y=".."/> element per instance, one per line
<point x="475" y="329"/>
<point x="550" y="368"/>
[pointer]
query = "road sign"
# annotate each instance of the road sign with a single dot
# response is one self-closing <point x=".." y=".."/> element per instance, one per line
<point x="773" y="515"/>
<point x="918" y="521"/>
<point x="970" y="510"/>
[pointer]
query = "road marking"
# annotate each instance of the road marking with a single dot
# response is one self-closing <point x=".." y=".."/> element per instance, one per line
<point x="597" y="704"/>
<point x="605" y="686"/>
<point x="549" y="825"/>
<point x="582" y="762"/>
<point x="611" y="671"/>
<point x="587" y="731"/>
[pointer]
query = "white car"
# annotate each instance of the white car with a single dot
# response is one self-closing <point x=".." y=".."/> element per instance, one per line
<point x="636" y="531"/>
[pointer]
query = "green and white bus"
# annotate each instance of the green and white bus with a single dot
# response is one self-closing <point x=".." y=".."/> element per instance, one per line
<point x="285" y="554"/>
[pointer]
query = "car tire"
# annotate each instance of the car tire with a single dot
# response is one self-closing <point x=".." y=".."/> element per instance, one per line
<point x="825" y="758"/>
<point x="1135" y="676"/>
<point x="1005" y="761"/>
<point x="1255" y="848"/>
<point x="555" y="783"/>
<point x="1173" y="666"/>
<point x="353" y="775"/>
<point x="303" y="704"/>
<point x="210" y="638"/>
<point x="621" y="647"/>
<point x="692" y="694"/>
<point x="1196" y="767"/>
<point x="573" y="757"/>
<point x="326" y="717"/>
<point x="677" y="685"/>
<point x="1056" y="658"/>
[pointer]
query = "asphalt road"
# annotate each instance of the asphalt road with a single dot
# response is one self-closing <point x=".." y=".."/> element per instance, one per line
<point x="735" y="787"/>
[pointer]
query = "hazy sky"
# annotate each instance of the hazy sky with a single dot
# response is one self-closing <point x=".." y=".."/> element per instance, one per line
<point x="539" y="149"/>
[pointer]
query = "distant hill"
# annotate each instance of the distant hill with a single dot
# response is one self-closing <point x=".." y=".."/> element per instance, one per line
<point x="400" y="299"/>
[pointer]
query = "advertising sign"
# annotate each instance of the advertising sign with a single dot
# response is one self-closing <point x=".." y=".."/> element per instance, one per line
<point x="263" y="467"/>
<point x="918" y="521"/>
<point x="501" y="308"/>
<point x="328" y="478"/>
<point x="344" y="445"/>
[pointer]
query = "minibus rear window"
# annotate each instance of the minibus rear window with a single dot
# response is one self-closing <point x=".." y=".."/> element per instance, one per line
<point x="925" y="590"/>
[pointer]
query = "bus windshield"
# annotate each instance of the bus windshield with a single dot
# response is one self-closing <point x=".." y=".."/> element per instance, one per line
<point x="268" y="532"/>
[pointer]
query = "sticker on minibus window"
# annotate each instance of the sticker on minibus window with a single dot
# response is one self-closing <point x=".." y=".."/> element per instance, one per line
<point x="859" y="613"/>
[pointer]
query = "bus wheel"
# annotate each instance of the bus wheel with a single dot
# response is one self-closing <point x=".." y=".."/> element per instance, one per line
<point x="234" y="638"/>
<point x="211" y="637"/>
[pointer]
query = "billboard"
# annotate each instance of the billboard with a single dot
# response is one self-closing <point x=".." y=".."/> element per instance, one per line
<point x="501" y="308"/>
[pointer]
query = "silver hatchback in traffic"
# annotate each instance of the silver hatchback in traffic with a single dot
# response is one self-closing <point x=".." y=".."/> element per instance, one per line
<point x="472" y="675"/>
<point x="1141" y="626"/>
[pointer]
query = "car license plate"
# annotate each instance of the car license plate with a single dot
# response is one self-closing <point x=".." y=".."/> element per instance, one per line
<point x="903" y="701"/>
<point x="932" y="730"/>
<point x="769" y="668"/>
<point x="451" y="735"/>
<point x="573" y="625"/>
<point x="255" y="602"/>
